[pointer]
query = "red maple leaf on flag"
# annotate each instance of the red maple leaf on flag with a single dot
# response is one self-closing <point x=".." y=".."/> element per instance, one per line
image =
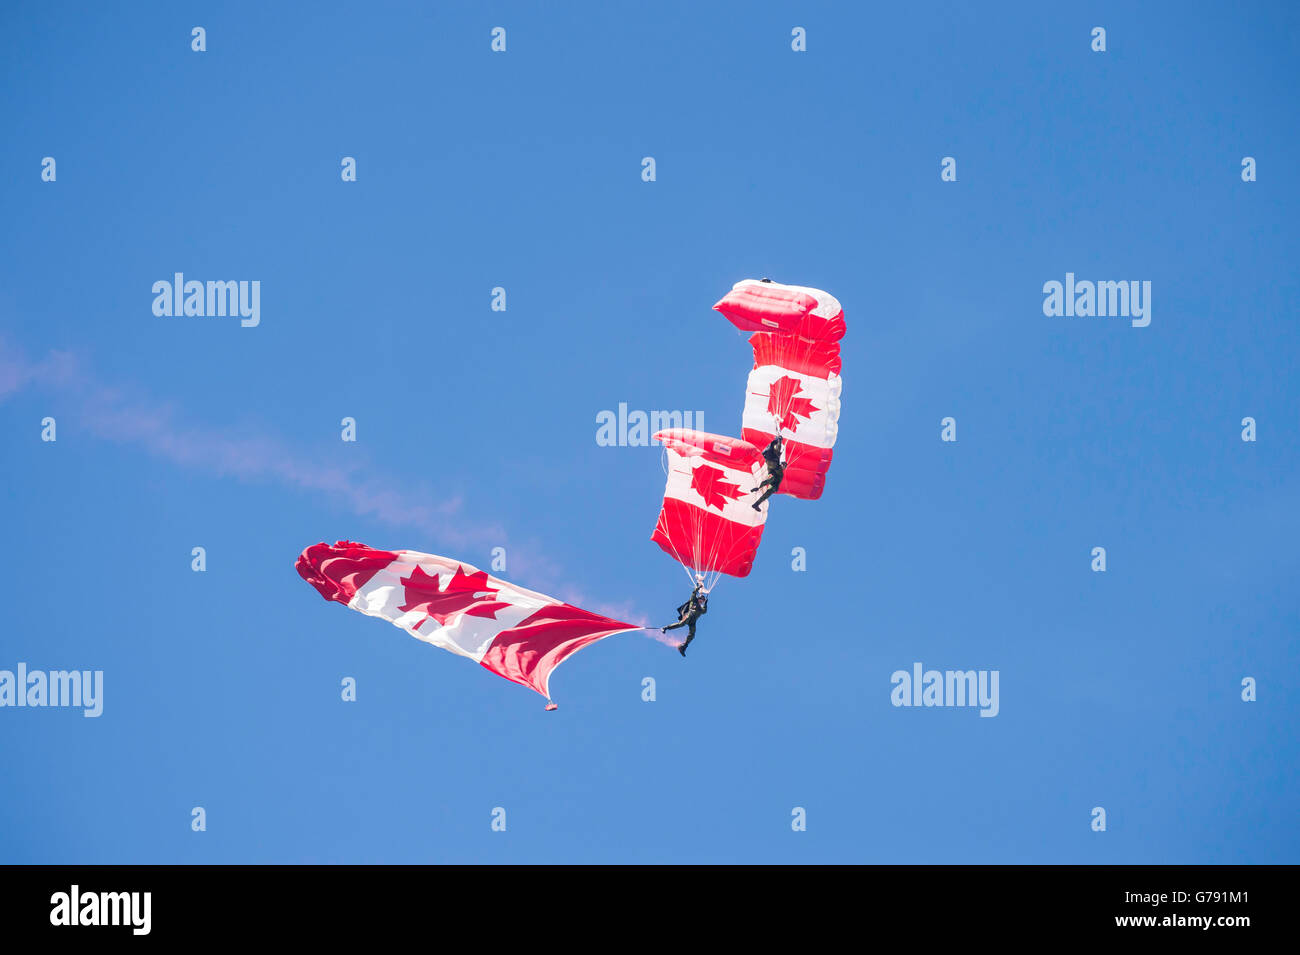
<point x="707" y="483"/>
<point x="464" y="594"/>
<point x="783" y="405"/>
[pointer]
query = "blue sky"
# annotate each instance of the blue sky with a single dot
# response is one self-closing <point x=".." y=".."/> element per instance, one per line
<point x="477" y="428"/>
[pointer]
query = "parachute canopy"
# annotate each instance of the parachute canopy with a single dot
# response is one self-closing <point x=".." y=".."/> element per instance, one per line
<point x="516" y="633"/>
<point x="708" y="522"/>
<point x="756" y="306"/>
<point x="794" y="388"/>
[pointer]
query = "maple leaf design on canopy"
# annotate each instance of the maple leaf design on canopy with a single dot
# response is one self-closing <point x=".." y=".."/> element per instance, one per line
<point x="782" y="403"/>
<point x="707" y="483"/>
<point x="465" y="594"/>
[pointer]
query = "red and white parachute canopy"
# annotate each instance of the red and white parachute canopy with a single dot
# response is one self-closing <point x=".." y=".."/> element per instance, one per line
<point x="516" y="633"/>
<point x="795" y="385"/>
<point x="708" y="522"/>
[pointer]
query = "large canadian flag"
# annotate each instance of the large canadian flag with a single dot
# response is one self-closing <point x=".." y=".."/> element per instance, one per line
<point x="516" y="633"/>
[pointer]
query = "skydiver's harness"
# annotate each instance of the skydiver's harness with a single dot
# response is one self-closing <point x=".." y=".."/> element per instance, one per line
<point x="694" y="608"/>
<point x="775" y="469"/>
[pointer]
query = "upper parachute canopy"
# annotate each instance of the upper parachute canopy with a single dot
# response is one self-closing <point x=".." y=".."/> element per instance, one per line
<point x="807" y="356"/>
<point x="794" y="387"/>
<point x="756" y="306"/>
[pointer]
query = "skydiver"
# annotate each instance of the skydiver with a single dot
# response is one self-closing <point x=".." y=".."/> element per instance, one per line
<point x="775" y="471"/>
<point x="694" y="608"/>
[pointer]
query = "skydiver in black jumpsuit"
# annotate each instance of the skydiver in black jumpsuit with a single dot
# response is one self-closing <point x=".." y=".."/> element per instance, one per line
<point x="775" y="471"/>
<point x="694" y="608"/>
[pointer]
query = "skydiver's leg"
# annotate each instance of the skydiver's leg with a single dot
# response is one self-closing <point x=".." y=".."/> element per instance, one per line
<point x="689" y="637"/>
<point x="679" y="623"/>
<point x="766" y="494"/>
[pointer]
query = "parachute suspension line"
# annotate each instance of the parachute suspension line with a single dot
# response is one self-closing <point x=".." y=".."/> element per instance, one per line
<point x="705" y="558"/>
<point x="712" y="551"/>
<point x="706" y="552"/>
<point x="711" y="556"/>
<point x="682" y="562"/>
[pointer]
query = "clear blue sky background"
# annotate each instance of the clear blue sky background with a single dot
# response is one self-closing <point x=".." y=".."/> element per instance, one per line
<point x="522" y="170"/>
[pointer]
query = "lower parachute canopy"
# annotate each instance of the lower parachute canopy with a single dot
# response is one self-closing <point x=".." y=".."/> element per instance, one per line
<point x="708" y="522"/>
<point x="516" y="633"/>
